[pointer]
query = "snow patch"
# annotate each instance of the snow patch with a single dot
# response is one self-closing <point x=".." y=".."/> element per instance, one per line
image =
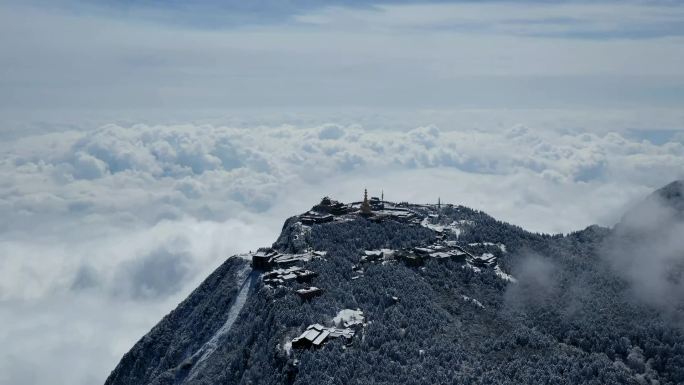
<point x="210" y="346"/>
<point x="303" y="231"/>
<point x="455" y="227"/>
<point x="348" y="317"/>
<point x="245" y="256"/>
<point x="501" y="246"/>
<point x="503" y="275"/>
<point x="287" y="346"/>
<point x="472" y="300"/>
<point x="471" y="267"/>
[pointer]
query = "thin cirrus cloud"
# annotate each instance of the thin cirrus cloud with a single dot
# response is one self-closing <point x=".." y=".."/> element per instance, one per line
<point x="628" y="20"/>
<point x="404" y="55"/>
<point x="575" y="19"/>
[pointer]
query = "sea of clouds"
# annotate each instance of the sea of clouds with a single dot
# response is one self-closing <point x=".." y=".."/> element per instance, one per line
<point x="106" y="228"/>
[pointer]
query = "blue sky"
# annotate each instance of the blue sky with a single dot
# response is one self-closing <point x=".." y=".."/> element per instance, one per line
<point x="228" y="13"/>
<point x="212" y="14"/>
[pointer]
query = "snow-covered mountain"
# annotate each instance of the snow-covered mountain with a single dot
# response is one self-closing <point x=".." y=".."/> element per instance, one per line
<point x="376" y="292"/>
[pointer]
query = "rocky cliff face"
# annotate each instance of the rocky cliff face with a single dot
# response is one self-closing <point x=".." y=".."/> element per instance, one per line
<point x="447" y="295"/>
<point x="294" y="236"/>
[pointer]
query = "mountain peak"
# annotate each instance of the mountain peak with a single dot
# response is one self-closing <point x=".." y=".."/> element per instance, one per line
<point x="656" y="211"/>
<point x="382" y="292"/>
<point x="672" y="195"/>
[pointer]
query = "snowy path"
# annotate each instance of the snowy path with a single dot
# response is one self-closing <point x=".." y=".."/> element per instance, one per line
<point x="210" y="346"/>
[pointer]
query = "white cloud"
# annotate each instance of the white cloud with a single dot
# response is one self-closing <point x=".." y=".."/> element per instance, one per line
<point x="331" y="131"/>
<point x="210" y="171"/>
<point x="73" y="304"/>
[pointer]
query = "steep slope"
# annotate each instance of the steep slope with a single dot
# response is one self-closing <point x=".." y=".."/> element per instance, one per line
<point x="186" y="330"/>
<point x="659" y="210"/>
<point x="672" y="195"/>
<point x="487" y="303"/>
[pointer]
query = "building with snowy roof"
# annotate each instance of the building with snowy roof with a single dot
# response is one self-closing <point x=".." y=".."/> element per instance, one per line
<point x="309" y="292"/>
<point x="316" y="335"/>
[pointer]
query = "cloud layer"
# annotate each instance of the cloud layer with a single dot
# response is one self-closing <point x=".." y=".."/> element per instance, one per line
<point x="82" y="185"/>
<point x="149" y="173"/>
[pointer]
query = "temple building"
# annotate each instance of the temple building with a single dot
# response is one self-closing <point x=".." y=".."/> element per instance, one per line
<point x="309" y="292"/>
<point x="316" y="335"/>
<point x="311" y="218"/>
<point x="331" y="206"/>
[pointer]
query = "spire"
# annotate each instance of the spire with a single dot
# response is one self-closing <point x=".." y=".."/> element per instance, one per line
<point x="382" y="199"/>
<point x="365" y="206"/>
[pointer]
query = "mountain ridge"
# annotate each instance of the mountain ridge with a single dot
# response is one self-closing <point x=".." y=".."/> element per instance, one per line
<point x="439" y="317"/>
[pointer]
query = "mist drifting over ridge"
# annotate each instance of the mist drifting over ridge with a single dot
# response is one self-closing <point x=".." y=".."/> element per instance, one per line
<point x="648" y="249"/>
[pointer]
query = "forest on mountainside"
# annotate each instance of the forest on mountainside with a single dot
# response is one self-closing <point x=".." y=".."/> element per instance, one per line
<point x="569" y="319"/>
